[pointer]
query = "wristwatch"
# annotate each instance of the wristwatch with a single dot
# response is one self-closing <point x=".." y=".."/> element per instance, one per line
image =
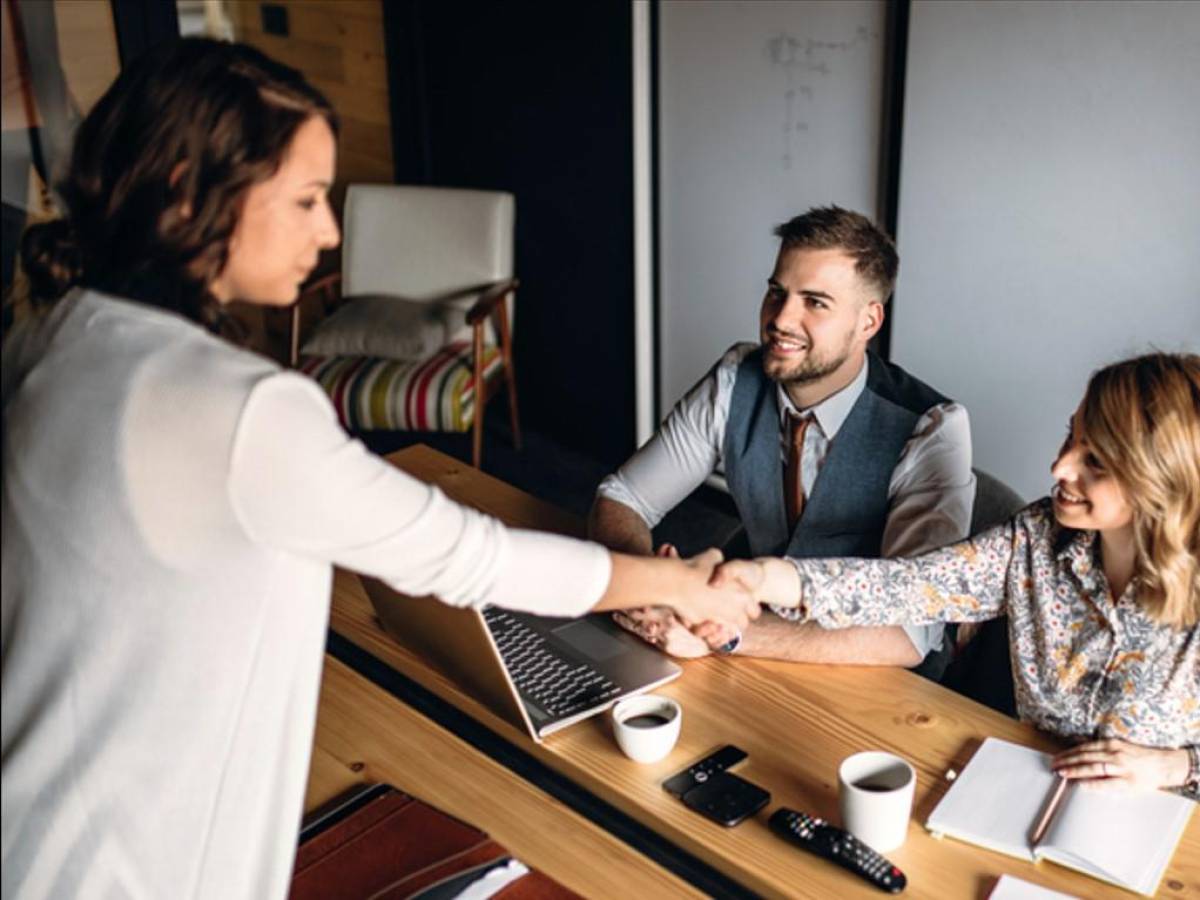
<point x="1192" y="782"/>
<point x="731" y="645"/>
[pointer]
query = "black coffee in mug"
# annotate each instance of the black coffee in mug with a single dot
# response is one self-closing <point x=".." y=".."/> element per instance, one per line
<point x="646" y="720"/>
<point x="873" y="786"/>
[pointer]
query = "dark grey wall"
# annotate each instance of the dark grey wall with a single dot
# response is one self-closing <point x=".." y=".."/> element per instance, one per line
<point x="536" y="99"/>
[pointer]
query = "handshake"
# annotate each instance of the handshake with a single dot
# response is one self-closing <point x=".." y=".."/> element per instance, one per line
<point x="718" y="600"/>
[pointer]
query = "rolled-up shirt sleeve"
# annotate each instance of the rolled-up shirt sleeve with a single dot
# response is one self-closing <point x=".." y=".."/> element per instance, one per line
<point x="932" y="491"/>
<point x="932" y="494"/>
<point x="684" y="451"/>
<point x="300" y="484"/>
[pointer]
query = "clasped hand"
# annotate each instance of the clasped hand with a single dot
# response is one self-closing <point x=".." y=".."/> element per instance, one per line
<point x="760" y="581"/>
<point x="709" y="601"/>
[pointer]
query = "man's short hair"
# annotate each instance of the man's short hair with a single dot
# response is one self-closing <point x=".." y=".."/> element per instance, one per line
<point x="831" y="227"/>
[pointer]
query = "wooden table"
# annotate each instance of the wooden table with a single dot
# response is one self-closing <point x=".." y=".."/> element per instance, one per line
<point x="796" y="721"/>
<point x="365" y="735"/>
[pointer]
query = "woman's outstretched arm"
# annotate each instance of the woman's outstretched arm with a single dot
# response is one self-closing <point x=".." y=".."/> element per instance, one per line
<point x="964" y="582"/>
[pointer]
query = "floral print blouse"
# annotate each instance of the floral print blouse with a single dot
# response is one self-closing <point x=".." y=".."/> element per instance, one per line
<point x="1084" y="666"/>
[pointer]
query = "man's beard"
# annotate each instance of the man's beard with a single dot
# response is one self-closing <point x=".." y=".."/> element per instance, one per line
<point x="813" y="368"/>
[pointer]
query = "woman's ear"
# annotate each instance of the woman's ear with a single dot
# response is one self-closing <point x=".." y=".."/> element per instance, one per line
<point x="177" y="173"/>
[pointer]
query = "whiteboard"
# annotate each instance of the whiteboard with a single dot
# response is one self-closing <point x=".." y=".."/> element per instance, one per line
<point x="764" y="110"/>
<point x="1049" y="208"/>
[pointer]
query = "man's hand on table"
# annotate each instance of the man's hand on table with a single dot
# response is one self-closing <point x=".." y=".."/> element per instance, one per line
<point x="658" y="625"/>
<point x="662" y="627"/>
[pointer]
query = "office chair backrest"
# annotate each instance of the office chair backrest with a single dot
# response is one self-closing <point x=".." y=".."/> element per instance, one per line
<point x="424" y="242"/>
<point x="995" y="502"/>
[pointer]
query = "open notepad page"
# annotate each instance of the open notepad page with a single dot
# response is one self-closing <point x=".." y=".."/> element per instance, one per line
<point x="1124" y="837"/>
<point x="996" y="799"/>
<point x="1127" y="838"/>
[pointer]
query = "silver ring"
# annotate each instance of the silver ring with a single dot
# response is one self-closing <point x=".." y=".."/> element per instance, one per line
<point x="1104" y="769"/>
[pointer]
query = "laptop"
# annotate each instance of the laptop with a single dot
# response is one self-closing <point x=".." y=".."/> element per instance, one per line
<point x="539" y="673"/>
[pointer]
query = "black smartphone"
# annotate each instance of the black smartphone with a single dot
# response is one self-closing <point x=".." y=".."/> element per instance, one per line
<point x="718" y="761"/>
<point x="727" y="799"/>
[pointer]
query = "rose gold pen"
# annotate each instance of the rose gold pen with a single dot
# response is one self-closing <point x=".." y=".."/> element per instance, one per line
<point x="1048" y="811"/>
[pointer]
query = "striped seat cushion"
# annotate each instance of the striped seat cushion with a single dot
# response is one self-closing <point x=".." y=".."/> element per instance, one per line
<point x="373" y="394"/>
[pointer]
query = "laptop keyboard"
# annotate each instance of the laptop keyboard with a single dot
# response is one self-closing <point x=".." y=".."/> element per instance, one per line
<point x="560" y="687"/>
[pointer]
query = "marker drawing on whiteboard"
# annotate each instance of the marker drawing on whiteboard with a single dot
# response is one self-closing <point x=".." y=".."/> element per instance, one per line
<point x="802" y="60"/>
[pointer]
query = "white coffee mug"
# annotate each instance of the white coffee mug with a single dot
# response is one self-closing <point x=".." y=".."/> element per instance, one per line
<point x="646" y="727"/>
<point x="875" y="792"/>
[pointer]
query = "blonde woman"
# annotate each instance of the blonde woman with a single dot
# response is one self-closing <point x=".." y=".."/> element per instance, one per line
<point x="1100" y="582"/>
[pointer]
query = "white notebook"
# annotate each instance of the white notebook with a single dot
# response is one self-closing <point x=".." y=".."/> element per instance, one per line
<point x="1126" y="838"/>
<point x="1010" y="888"/>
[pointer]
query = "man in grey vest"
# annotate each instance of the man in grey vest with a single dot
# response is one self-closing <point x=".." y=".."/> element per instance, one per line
<point x="827" y="449"/>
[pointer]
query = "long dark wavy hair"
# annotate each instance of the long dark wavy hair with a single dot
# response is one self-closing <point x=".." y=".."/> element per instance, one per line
<point x="159" y="171"/>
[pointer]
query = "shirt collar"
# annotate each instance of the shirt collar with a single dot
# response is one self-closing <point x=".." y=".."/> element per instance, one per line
<point x="1080" y="551"/>
<point x="831" y="412"/>
<point x="1075" y="547"/>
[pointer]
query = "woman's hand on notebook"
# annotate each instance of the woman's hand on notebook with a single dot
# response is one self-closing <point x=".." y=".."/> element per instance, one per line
<point x="1119" y="764"/>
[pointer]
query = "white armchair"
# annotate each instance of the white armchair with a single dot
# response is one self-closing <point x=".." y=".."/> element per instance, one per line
<point x="421" y="329"/>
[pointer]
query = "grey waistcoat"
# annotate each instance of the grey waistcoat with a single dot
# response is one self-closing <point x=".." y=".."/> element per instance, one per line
<point x="846" y="510"/>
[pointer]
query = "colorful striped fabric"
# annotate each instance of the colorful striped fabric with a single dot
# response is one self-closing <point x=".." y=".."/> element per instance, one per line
<point x="372" y="394"/>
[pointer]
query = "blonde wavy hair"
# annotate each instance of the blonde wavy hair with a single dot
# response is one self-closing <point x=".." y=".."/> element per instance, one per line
<point x="1142" y="420"/>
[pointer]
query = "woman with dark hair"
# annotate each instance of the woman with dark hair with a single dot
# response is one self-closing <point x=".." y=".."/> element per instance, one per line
<point x="1100" y="582"/>
<point x="173" y="505"/>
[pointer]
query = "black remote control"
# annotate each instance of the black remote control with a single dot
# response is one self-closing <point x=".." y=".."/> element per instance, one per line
<point x="839" y="846"/>
<point x="718" y="761"/>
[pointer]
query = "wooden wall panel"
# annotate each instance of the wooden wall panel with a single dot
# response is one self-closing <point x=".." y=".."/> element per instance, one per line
<point x="87" y="53"/>
<point x="339" y="46"/>
<point x="87" y="41"/>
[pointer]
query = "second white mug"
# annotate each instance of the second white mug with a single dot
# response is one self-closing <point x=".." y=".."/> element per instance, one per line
<point x="875" y="793"/>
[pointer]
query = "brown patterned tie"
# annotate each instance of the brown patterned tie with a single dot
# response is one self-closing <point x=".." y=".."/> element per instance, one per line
<point x="793" y="483"/>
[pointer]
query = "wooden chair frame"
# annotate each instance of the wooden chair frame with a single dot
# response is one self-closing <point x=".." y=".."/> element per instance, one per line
<point x="491" y="304"/>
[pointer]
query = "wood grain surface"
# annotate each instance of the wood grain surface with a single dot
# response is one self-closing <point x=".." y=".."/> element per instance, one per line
<point x="366" y="735"/>
<point x="796" y="721"/>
